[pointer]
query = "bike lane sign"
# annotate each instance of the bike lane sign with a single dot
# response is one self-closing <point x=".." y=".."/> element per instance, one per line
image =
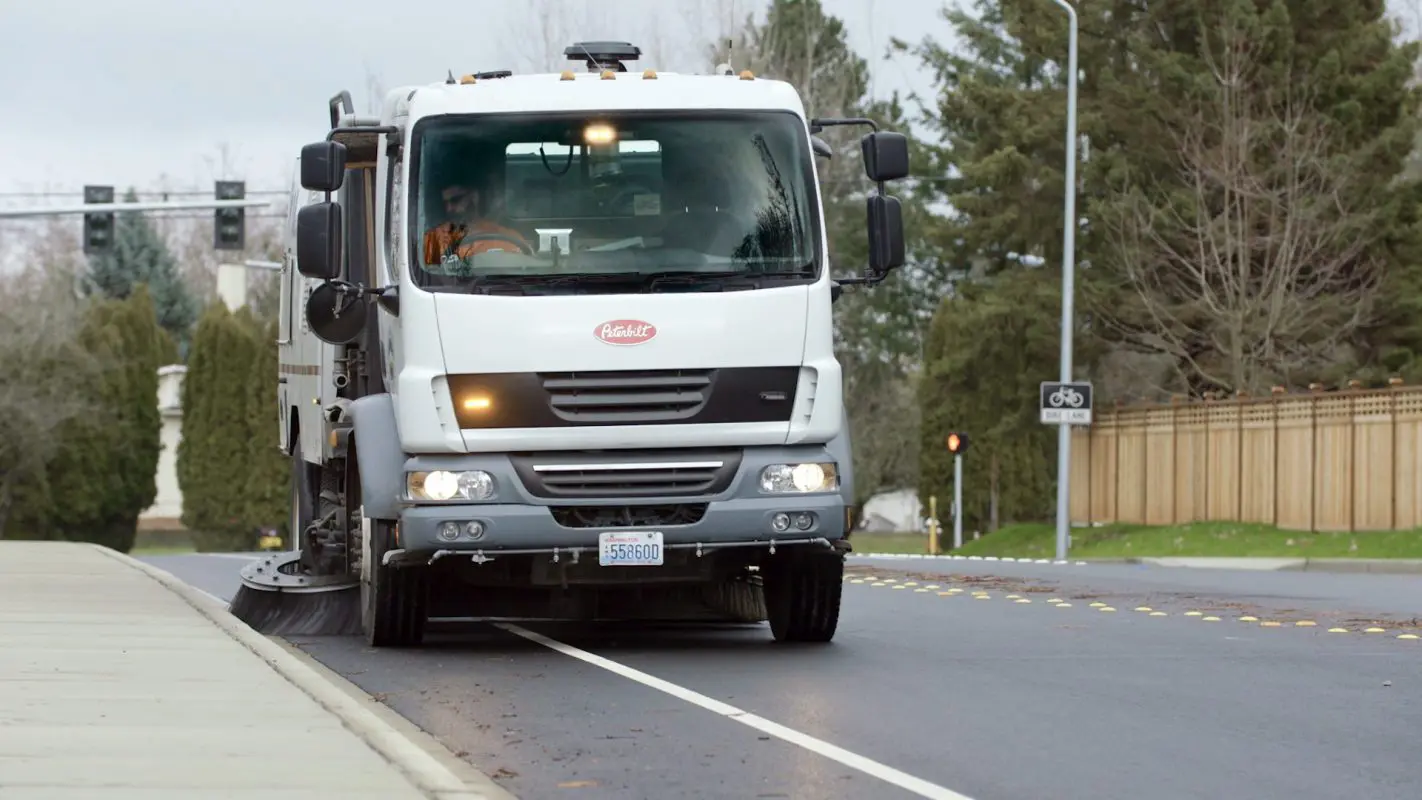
<point x="1065" y="403"/>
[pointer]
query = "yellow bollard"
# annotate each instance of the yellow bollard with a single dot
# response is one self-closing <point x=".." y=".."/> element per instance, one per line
<point x="933" y="525"/>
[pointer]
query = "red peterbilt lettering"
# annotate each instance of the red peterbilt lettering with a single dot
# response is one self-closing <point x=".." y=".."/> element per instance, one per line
<point x="625" y="331"/>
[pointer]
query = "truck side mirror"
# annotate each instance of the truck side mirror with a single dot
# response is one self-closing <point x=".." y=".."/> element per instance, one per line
<point x="323" y="166"/>
<point x="886" y="156"/>
<point x="336" y="316"/>
<point x="886" y="233"/>
<point x="318" y="241"/>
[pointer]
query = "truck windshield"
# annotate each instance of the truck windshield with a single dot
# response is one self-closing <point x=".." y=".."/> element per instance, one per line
<point x="514" y="198"/>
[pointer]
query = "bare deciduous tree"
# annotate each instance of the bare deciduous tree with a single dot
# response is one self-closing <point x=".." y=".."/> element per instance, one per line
<point x="1257" y="260"/>
<point x="40" y="318"/>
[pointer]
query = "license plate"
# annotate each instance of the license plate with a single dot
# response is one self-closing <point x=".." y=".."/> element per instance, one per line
<point x="630" y="549"/>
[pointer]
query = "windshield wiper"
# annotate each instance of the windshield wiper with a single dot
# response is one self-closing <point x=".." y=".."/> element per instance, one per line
<point x="480" y="282"/>
<point x="751" y="279"/>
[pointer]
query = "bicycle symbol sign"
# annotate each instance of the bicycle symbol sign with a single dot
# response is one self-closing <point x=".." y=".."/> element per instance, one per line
<point x="1065" y="403"/>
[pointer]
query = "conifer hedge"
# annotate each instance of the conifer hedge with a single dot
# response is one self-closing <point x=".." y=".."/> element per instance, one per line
<point x="231" y="472"/>
<point x="102" y="476"/>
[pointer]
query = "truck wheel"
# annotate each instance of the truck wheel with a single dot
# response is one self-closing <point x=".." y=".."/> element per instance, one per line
<point x="802" y="593"/>
<point x="394" y="601"/>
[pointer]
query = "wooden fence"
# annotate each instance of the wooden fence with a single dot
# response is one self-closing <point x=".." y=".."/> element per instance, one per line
<point x="1334" y="461"/>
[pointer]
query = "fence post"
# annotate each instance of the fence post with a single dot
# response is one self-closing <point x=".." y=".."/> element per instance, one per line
<point x="1276" y="391"/>
<point x="1315" y="388"/>
<point x="1393" y="384"/>
<point x="1353" y="387"/>
<point x="1239" y="398"/>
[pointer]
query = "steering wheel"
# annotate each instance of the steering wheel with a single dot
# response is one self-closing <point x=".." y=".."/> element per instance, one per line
<point x="522" y="245"/>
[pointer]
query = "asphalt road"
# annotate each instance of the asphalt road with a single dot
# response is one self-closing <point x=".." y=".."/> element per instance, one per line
<point x="929" y="691"/>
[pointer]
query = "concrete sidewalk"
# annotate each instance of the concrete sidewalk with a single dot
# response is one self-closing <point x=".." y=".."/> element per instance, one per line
<point x="117" y="682"/>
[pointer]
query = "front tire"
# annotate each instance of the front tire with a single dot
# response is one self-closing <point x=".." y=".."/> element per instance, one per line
<point x="802" y="591"/>
<point x="394" y="600"/>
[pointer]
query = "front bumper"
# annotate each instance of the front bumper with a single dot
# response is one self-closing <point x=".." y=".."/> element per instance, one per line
<point x="516" y="520"/>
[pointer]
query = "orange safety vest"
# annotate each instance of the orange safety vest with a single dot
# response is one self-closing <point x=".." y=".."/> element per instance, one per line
<point x="445" y="240"/>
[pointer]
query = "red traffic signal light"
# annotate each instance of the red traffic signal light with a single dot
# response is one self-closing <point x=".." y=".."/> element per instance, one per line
<point x="957" y="443"/>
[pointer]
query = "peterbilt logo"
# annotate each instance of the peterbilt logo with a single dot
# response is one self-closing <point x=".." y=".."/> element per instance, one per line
<point x="625" y="331"/>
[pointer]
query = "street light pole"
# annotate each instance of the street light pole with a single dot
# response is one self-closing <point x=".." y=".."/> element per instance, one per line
<point x="1068" y="287"/>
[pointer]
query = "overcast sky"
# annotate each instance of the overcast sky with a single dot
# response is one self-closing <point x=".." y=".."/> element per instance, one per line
<point x="149" y="93"/>
<point x="152" y="93"/>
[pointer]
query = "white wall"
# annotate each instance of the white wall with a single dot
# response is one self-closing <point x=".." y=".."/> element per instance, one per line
<point x="168" y="504"/>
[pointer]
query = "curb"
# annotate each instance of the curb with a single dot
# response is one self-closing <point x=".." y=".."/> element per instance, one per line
<point x="1352" y="566"/>
<point x="925" y="557"/>
<point x="433" y="778"/>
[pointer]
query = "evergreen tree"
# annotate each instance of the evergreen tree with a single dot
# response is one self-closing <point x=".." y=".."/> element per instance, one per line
<point x="268" y="471"/>
<point x="986" y="351"/>
<point x="103" y="476"/>
<point x="209" y="462"/>
<point x="139" y="256"/>
<point x="1150" y="90"/>
<point x="233" y="477"/>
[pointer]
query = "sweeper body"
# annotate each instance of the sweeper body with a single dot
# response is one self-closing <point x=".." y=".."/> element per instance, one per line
<point x="560" y="346"/>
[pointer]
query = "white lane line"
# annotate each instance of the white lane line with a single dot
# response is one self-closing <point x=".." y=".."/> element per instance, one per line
<point x="868" y="766"/>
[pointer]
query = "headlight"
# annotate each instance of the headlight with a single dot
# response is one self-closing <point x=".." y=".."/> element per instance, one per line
<point x="440" y="485"/>
<point x="799" y="478"/>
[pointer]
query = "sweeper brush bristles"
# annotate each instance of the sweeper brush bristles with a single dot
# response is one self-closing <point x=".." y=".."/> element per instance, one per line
<point x="329" y="612"/>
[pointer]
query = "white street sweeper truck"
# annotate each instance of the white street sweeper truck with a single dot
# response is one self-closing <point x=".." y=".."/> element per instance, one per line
<point x="559" y="346"/>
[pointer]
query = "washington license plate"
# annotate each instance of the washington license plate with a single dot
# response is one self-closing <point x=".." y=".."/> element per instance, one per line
<point x="630" y="549"/>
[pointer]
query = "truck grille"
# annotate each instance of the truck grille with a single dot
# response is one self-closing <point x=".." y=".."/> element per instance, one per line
<point x="620" y="474"/>
<point x="640" y="396"/>
<point x="628" y="516"/>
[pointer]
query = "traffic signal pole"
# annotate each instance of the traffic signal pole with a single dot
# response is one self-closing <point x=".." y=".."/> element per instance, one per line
<point x="958" y="500"/>
<point x="957" y="443"/>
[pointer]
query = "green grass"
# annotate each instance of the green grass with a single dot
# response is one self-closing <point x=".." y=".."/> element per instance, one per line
<point x="1200" y="539"/>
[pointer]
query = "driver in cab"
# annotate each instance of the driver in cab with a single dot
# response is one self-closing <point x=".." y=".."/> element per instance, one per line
<point x="468" y="217"/>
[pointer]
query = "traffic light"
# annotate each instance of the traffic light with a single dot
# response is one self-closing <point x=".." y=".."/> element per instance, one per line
<point x="98" y="228"/>
<point x="957" y="443"/>
<point x="230" y="224"/>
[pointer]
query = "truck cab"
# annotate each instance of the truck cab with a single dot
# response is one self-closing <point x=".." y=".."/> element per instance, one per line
<point x="566" y="351"/>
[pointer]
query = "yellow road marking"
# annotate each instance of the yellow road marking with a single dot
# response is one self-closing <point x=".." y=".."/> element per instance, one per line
<point x="1374" y="630"/>
<point x="1305" y="623"/>
<point x="1159" y="614"/>
<point x="1407" y="636"/>
<point x="1143" y="608"/>
<point x="1211" y="619"/>
<point x="1063" y="605"/>
<point x="1107" y="608"/>
<point x="1337" y="630"/>
<point x="1194" y="613"/>
<point x="1021" y="600"/>
<point x="1248" y="619"/>
<point x="1098" y="604"/>
<point x="1269" y="623"/>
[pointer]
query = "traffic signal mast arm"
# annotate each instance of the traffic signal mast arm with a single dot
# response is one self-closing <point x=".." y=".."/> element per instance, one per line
<point x="110" y="208"/>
